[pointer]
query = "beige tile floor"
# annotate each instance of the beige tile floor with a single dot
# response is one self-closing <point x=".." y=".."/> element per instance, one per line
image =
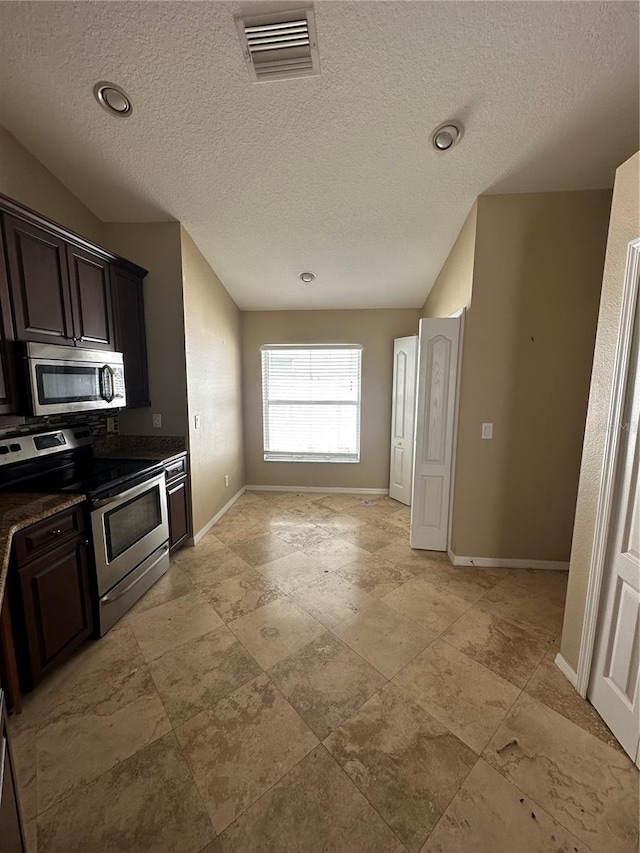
<point x="303" y="682"/>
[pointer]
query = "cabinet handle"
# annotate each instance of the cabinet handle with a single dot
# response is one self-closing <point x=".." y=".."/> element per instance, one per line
<point x="55" y="533"/>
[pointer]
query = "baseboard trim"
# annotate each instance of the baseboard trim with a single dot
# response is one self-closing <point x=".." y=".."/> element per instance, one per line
<point x="569" y="673"/>
<point x="507" y="563"/>
<point x="204" y="530"/>
<point x="321" y="489"/>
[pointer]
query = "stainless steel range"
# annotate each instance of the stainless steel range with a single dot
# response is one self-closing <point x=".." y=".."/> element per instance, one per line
<point x="126" y="499"/>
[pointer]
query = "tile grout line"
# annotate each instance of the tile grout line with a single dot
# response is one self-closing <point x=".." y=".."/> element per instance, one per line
<point x="75" y="790"/>
<point x="358" y="788"/>
<point x="277" y="781"/>
<point x="460" y="787"/>
<point x="266" y="672"/>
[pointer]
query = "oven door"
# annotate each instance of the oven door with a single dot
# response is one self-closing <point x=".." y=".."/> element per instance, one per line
<point x="74" y="381"/>
<point x="127" y="528"/>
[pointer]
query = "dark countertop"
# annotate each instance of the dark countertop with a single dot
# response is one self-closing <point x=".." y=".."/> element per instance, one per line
<point x="162" y="448"/>
<point x="19" y="510"/>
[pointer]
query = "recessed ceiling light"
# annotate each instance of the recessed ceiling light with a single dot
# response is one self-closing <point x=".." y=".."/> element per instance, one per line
<point x="307" y="277"/>
<point x="447" y="135"/>
<point x="113" y="99"/>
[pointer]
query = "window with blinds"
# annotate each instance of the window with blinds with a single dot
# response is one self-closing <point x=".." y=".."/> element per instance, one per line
<point x="311" y="403"/>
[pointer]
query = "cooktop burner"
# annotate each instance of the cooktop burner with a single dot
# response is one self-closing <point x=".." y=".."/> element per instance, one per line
<point x="63" y="461"/>
<point x="92" y="476"/>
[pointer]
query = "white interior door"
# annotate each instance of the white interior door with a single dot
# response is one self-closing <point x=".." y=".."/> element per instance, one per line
<point x="435" y="420"/>
<point x="405" y="351"/>
<point x="614" y="687"/>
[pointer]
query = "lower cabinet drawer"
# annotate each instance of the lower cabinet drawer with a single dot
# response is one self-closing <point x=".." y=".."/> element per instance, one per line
<point x="41" y="537"/>
<point x="177" y="468"/>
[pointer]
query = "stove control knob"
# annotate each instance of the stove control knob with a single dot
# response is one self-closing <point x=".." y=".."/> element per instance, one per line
<point x="15" y="448"/>
<point x="3" y="449"/>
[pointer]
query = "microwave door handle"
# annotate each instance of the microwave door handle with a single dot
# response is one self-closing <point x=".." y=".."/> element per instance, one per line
<point x="107" y="394"/>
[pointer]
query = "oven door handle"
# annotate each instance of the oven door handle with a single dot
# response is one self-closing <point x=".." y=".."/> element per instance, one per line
<point x="148" y="482"/>
<point x="107" y="395"/>
<point x="114" y="596"/>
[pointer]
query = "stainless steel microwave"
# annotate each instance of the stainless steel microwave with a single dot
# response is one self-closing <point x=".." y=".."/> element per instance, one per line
<point x="66" y="379"/>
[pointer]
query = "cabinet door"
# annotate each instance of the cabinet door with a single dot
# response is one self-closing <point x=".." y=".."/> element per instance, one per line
<point x="6" y="392"/>
<point x="10" y="825"/>
<point x="130" y="338"/>
<point x="8" y="361"/>
<point x="57" y="606"/>
<point x="90" y="299"/>
<point x="39" y="283"/>
<point x="178" y="505"/>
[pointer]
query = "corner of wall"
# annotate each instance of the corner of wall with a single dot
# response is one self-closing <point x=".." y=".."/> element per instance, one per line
<point x="624" y="226"/>
<point x="213" y="353"/>
<point x="452" y="289"/>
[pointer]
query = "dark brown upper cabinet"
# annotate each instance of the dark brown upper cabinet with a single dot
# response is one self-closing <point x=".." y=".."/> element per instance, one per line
<point x="39" y="283"/>
<point x="56" y="287"/>
<point x="60" y="292"/>
<point x="9" y="404"/>
<point x="90" y="300"/>
<point x="130" y="339"/>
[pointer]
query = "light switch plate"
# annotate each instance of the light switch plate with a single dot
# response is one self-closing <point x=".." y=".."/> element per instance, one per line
<point x="487" y="430"/>
<point x="157" y="421"/>
<point x="196" y="421"/>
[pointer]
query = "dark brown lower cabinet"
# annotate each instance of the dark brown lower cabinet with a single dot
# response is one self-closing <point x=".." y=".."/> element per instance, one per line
<point x="178" y="504"/>
<point x="51" y="599"/>
<point x="11" y="833"/>
<point x="177" y="475"/>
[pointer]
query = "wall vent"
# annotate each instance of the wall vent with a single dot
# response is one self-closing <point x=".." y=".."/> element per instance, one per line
<point x="280" y="46"/>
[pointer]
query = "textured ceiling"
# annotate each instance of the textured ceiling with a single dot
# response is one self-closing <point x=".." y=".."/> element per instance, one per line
<point x="334" y="173"/>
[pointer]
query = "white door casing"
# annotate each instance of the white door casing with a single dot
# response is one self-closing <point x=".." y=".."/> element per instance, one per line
<point x="403" y="418"/>
<point x="614" y="688"/>
<point x="438" y="355"/>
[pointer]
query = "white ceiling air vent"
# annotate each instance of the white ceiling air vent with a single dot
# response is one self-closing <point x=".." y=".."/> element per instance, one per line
<point x="280" y="46"/>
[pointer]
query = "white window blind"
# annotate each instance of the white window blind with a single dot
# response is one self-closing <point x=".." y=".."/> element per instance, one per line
<point x="311" y="403"/>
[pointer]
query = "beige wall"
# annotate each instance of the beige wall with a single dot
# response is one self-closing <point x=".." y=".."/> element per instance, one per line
<point x="624" y="227"/>
<point x="214" y="378"/>
<point x="528" y="345"/>
<point x="452" y="288"/>
<point x="156" y="247"/>
<point x="26" y="180"/>
<point x="375" y="331"/>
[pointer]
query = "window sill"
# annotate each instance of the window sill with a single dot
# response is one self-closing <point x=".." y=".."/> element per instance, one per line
<point x="291" y="457"/>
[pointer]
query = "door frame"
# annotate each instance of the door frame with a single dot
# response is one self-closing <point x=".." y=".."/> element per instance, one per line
<point x="416" y="339"/>
<point x="609" y="466"/>
<point x="462" y="314"/>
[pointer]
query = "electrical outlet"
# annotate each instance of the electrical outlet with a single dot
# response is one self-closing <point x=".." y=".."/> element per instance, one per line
<point x="226" y="479"/>
<point x="196" y="421"/>
<point x="157" y="421"/>
<point x="487" y="430"/>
